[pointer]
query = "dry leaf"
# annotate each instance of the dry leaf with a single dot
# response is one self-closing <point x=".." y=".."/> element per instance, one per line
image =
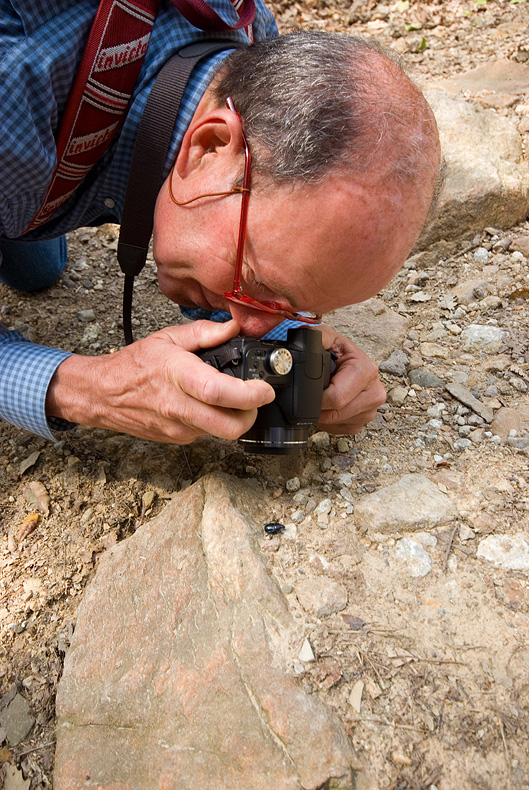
<point x="31" y="460"/>
<point x="354" y="623"/>
<point x="28" y="525"/>
<point x="37" y="497"/>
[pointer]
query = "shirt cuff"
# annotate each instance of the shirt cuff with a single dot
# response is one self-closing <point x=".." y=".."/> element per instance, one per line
<point x="26" y="370"/>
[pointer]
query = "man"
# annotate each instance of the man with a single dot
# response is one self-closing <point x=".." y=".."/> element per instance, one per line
<point x="344" y="162"/>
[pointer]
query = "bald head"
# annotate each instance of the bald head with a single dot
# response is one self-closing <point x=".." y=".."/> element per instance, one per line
<point x="316" y="103"/>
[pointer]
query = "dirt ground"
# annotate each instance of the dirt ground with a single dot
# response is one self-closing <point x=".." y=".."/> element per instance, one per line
<point x="429" y="674"/>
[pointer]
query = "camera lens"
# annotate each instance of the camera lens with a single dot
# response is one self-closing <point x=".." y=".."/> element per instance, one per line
<point x="277" y="441"/>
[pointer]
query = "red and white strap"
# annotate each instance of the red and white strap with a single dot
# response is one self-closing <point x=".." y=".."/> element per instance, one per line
<point x="105" y="81"/>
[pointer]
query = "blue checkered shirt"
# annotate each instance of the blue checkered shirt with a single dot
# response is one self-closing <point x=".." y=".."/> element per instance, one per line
<point x="41" y="44"/>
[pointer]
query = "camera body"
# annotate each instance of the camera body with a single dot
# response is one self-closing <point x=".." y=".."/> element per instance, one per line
<point x="298" y="370"/>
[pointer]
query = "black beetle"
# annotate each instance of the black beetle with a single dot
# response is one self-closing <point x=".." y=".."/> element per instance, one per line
<point x="274" y="527"/>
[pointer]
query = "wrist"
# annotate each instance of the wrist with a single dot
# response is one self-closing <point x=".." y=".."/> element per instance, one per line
<point x="72" y="391"/>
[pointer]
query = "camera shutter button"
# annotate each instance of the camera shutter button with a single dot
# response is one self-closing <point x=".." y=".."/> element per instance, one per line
<point x="281" y="361"/>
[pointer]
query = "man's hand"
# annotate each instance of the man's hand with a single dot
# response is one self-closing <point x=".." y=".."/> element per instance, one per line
<point x="355" y="392"/>
<point x="158" y="389"/>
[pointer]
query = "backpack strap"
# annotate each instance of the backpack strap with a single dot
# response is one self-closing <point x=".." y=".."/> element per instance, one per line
<point x="148" y="162"/>
<point x="201" y="15"/>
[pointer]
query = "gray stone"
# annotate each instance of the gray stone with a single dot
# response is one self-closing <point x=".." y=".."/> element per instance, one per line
<point x="518" y="442"/>
<point x="13" y="778"/>
<point x="86" y="315"/>
<point x="509" y="552"/>
<point x="478" y="337"/>
<point x="16" y="720"/>
<point x="396" y="364"/>
<point x="375" y="328"/>
<point x="321" y="596"/>
<point x="178" y="671"/>
<point x="464" y="395"/>
<point x="422" y="377"/>
<point x="417" y="560"/>
<point x="487" y="180"/>
<point x="481" y="255"/>
<point x="412" y="503"/>
<point x="321" y="440"/>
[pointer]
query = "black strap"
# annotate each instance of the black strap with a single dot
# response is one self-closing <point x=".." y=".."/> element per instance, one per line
<point x="148" y="162"/>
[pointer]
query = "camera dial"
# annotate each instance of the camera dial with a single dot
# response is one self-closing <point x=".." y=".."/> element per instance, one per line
<point x="280" y="361"/>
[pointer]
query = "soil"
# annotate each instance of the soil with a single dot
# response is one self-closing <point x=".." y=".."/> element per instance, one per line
<point x="429" y="674"/>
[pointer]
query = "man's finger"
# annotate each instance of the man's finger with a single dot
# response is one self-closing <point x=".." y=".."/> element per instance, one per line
<point x="210" y="386"/>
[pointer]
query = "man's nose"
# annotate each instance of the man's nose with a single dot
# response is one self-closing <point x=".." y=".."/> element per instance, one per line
<point x="254" y="323"/>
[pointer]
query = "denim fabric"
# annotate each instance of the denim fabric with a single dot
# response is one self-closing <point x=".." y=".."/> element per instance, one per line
<point x="32" y="265"/>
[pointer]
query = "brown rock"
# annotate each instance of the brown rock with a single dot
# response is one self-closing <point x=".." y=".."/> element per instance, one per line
<point x="375" y="328"/>
<point x="521" y="244"/>
<point x="321" y="596"/>
<point x="505" y="421"/>
<point x="471" y="291"/>
<point x="503" y="76"/>
<point x="178" y="671"/>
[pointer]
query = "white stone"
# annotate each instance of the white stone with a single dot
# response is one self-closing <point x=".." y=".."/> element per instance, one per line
<point x="509" y="552"/>
<point x="324" y="507"/>
<point x="417" y="560"/>
<point x="479" y="337"/>
<point x="306" y="653"/>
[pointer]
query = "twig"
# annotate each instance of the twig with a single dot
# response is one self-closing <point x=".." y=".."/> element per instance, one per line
<point x="35" y="749"/>
<point x="449" y="549"/>
<point x="506" y="751"/>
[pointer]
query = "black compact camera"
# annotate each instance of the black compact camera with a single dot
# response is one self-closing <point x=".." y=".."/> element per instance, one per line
<point x="298" y="370"/>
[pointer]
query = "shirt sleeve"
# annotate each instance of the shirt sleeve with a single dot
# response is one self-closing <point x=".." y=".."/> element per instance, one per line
<point x="26" y="370"/>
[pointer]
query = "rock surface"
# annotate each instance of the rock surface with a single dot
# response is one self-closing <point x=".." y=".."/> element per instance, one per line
<point x="178" y="670"/>
<point x="373" y="326"/>
<point x="412" y="503"/>
<point x="486" y="180"/>
<point x="509" y="552"/>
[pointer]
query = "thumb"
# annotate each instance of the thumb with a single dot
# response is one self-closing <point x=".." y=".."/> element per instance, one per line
<point x="201" y="334"/>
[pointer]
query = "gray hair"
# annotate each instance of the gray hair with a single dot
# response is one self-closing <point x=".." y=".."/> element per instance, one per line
<point x="313" y="102"/>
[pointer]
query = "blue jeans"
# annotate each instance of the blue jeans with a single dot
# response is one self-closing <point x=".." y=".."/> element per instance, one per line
<point x="32" y="265"/>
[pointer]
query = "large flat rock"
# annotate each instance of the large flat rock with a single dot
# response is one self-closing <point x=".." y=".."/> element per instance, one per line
<point x="179" y="674"/>
<point x="486" y="177"/>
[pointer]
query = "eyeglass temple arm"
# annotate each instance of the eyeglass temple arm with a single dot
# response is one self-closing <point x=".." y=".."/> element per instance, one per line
<point x="246" y="186"/>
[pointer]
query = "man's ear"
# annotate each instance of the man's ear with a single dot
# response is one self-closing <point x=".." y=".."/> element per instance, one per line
<point x="214" y="139"/>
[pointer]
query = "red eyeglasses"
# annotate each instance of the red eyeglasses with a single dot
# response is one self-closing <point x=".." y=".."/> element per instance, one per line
<point x="236" y="294"/>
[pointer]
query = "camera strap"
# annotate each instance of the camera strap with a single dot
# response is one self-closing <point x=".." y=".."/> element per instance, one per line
<point x="148" y="162"/>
